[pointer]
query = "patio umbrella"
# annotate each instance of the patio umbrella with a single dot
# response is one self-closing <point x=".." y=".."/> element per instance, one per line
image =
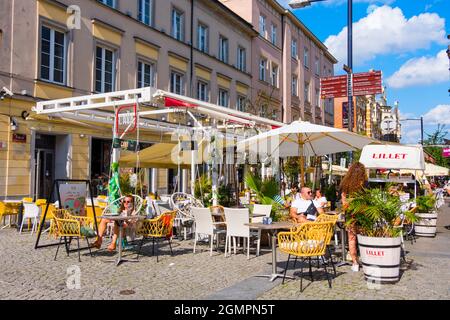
<point x="304" y="139"/>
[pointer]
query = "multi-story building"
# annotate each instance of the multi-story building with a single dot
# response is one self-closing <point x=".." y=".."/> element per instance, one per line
<point x="359" y="114"/>
<point x="204" y="49"/>
<point x="289" y="60"/>
<point x="390" y="123"/>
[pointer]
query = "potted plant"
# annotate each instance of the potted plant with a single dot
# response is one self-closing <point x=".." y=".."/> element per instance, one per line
<point x="374" y="213"/>
<point x="426" y="224"/>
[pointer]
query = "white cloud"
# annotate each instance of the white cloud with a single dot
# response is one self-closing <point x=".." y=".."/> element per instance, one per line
<point x="438" y="115"/>
<point x="386" y="30"/>
<point x="411" y="129"/>
<point x="421" y="71"/>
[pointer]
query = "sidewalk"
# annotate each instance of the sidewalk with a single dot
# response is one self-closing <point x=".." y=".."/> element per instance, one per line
<point x="426" y="275"/>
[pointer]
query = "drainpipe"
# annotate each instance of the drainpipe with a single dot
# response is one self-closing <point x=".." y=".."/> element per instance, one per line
<point x="282" y="57"/>
<point x="192" y="50"/>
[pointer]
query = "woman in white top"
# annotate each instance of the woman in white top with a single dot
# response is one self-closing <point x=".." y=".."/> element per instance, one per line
<point x="319" y="200"/>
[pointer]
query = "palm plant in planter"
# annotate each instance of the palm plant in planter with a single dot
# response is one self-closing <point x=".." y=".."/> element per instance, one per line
<point x="374" y="213"/>
<point x="427" y="216"/>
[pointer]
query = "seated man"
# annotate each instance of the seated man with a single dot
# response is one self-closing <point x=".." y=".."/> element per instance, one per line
<point x="299" y="207"/>
<point x="126" y="208"/>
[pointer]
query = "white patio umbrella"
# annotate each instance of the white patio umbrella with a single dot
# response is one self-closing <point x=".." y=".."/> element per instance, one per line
<point x="304" y="139"/>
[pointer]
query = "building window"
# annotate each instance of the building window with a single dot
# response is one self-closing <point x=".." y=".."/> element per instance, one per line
<point x="145" y="11"/>
<point x="104" y="70"/>
<point x="295" y="86"/>
<point x="294" y="48"/>
<point x="306" y="92"/>
<point x="306" y="57"/>
<point x="202" y="37"/>
<point x="177" y="24"/>
<point x="223" y="49"/>
<point x="202" y="91"/>
<point x="240" y="104"/>
<point x="262" y="69"/>
<point x="262" y="26"/>
<point x="53" y="55"/>
<point x="274" y="75"/>
<point x="317" y="66"/>
<point x="111" y="3"/>
<point x="177" y="83"/>
<point x="241" y="59"/>
<point x="145" y="75"/>
<point x="273" y="37"/>
<point x="223" y="98"/>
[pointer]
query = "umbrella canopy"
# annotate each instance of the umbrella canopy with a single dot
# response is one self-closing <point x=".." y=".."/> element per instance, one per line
<point x="307" y="139"/>
<point x="393" y="157"/>
<point x="431" y="170"/>
<point x="304" y="139"/>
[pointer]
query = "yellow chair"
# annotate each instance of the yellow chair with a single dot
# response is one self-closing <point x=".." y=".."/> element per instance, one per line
<point x="158" y="229"/>
<point x="328" y="218"/>
<point x="8" y="209"/>
<point x="68" y="226"/>
<point x="98" y="212"/>
<point x="27" y="199"/>
<point x="310" y="240"/>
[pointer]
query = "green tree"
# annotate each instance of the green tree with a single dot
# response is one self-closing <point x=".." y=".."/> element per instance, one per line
<point x="437" y="138"/>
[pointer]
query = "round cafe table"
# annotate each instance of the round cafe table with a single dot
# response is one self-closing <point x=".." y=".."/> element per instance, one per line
<point x="273" y="229"/>
<point x="120" y="220"/>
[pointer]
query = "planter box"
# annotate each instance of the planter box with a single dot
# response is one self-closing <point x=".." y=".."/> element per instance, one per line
<point x="426" y="226"/>
<point x="380" y="258"/>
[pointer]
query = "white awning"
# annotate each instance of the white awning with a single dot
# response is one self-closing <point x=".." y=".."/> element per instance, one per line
<point x="393" y="157"/>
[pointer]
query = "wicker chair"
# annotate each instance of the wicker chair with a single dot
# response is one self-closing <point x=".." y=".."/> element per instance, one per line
<point x="159" y="228"/>
<point x="310" y="240"/>
<point x="69" y="226"/>
<point x="328" y="218"/>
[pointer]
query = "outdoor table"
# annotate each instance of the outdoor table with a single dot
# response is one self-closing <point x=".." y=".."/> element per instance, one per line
<point x="19" y="215"/>
<point x="119" y="219"/>
<point x="273" y="229"/>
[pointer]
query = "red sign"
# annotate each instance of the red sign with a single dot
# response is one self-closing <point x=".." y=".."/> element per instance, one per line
<point x="126" y="119"/>
<point x="446" y="152"/>
<point x="367" y="83"/>
<point x="333" y="87"/>
<point x="364" y="83"/>
<point x="19" y="137"/>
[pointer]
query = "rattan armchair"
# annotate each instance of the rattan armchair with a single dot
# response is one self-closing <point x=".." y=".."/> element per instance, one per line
<point x="329" y="218"/>
<point x="66" y="226"/>
<point x="157" y="229"/>
<point x="309" y="240"/>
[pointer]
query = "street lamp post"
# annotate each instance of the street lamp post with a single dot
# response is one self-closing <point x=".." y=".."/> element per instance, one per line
<point x="421" y="126"/>
<point x="297" y="4"/>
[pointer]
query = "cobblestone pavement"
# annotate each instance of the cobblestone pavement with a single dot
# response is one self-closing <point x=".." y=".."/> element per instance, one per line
<point x="425" y="275"/>
<point x="33" y="274"/>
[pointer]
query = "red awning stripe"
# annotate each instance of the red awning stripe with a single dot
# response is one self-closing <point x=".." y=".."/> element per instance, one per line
<point x="170" y="102"/>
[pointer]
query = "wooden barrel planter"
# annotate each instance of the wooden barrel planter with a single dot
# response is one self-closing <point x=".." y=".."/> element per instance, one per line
<point x="426" y="226"/>
<point x="380" y="258"/>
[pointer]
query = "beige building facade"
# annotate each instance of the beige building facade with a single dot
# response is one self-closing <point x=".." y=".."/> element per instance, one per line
<point x="288" y="61"/>
<point x="203" y="49"/>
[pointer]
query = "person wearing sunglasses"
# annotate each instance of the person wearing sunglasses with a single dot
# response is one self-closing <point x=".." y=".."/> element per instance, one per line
<point x="304" y="209"/>
<point x="126" y="209"/>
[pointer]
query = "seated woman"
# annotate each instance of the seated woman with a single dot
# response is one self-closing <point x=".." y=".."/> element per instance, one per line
<point x="319" y="200"/>
<point x="126" y="208"/>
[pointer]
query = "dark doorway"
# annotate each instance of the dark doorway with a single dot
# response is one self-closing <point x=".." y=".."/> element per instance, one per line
<point x="44" y="159"/>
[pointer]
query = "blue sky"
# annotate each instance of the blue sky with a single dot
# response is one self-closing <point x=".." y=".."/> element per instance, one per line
<point x="405" y="39"/>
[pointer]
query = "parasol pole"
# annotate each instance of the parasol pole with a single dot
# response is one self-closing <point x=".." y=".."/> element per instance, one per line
<point x="302" y="164"/>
